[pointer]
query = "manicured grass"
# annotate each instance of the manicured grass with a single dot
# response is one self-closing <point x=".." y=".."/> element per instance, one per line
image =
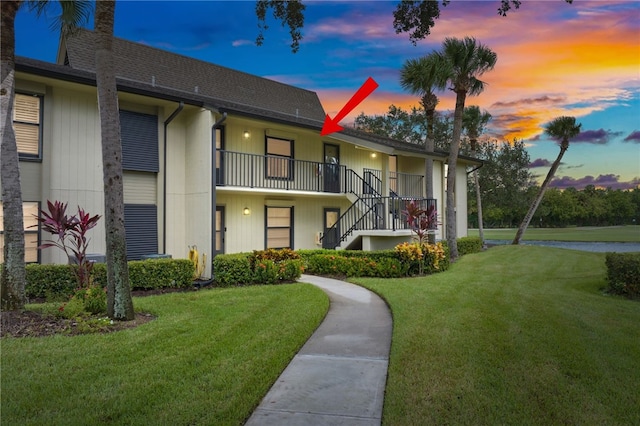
<point x="517" y="335"/>
<point x="620" y="234"/>
<point x="207" y="359"/>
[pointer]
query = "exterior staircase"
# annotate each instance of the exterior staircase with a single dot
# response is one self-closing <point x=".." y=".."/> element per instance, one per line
<point x="369" y="211"/>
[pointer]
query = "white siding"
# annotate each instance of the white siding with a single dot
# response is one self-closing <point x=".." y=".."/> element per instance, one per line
<point x="198" y="169"/>
<point x="73" y="156"/>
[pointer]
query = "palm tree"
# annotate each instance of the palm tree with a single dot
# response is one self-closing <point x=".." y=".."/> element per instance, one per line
<point x="418" y="77"/>
<point x="474" y="122"/>
<point x="460" y="63"/>
<point x="73" y="13"/>
<point x="563" y="129"/>
<point x="119" y="303"/>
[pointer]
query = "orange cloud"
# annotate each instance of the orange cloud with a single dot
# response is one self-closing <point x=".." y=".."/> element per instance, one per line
<point x="548" y="65"/>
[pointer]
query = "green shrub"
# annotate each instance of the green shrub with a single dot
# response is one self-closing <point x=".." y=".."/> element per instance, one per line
<point x="232" y="269"/>
<point x="161" y="273"/>
<point x="74" y="308"/>
<point x="55" y="282"/>
<point x="276" y="255"/>
<point x="623" y="274"/>
<point x="50" y="281"/>
<point x="260" y="267"/>
<point x="468" y="245"/>
<point x="422" y="258"/>
<point x="94" y="299"/>
<point x="265" y="272"/>
<point x="291" y="270"/>
<point x="355" y="266"/>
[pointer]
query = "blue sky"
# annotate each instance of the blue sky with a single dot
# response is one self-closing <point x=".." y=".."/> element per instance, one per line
<point x="554" y="59"/>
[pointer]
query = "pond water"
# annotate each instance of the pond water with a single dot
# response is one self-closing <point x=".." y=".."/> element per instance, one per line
<point x="574" y="245"/>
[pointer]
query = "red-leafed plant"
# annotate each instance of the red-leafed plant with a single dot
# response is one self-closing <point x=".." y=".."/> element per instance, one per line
<point x="421" y="221"/>
<point x="71" y="232"/>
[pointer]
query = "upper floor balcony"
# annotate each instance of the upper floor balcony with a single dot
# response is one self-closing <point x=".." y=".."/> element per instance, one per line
<point x="270" y="172"/>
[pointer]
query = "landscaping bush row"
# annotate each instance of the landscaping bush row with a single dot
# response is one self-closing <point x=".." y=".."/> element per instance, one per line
<point x="260" y="267"/>
<point x="264" y="267"/>
<point x="468" y="245"/>
<point x="55" y="281"/>
<point x="623" y="274"/>
<point x="355" y="264"/>
<point x="273" y="266"/>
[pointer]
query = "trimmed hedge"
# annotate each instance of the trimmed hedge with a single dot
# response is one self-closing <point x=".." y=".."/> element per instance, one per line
<point x="468" y="245"/>
<point x="49" y="281"/>
<point x="232" y="269"/>
<point x="623" y="274"/>
<point x="152" y="273"/>
<point x="260" y="267"/>
<point x="361" y="265"/>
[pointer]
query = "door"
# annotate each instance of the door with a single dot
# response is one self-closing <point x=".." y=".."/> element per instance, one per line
<point x="331" y="168"/>
<point x="220" y="230"/>
<point x="331" y="233"/>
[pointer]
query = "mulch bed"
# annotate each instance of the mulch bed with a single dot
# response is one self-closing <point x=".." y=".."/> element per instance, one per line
<point x="34" y="324"/>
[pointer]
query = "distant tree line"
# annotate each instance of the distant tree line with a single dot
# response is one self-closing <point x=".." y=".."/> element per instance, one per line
<point x="507" y="187"/>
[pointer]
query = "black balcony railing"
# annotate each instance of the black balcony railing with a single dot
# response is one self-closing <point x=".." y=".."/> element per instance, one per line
<point x="274" y="172"/>
<point x="372" y="213"/>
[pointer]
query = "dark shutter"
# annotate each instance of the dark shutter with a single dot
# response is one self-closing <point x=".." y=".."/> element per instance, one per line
<point x="139" y="133"/>
<point x="141" y="226"/>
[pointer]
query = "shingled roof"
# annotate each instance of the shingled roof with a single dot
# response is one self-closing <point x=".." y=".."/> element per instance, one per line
<point x="223" y="86"/>
<point x="147" y="70"/>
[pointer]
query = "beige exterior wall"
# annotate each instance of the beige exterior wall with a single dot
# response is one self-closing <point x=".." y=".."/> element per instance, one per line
<point x="71" y="171"/>
<point x="461" y="201"/>
<point x="197" y="190"/>
<point x="72" y="160"/>
<point x="247" y="233"/>
<point x="176" y="220"/>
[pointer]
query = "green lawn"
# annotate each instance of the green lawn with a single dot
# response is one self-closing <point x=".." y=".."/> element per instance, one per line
<point x="622" y="234"/>
<point x="517" y="335"/>
<point x="208" y="359"/>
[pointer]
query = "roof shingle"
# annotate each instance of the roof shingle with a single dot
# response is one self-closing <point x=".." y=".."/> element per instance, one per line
<point x="158" y="68"/>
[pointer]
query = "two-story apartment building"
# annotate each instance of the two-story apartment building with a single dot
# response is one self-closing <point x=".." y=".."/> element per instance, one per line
<point x="212" y="157"/>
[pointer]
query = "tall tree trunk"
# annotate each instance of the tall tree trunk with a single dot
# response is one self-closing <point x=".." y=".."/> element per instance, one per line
<point x="476" y="181"/>
<point x="479" y="204"/>
<point x="428" y="164"/>
<point x="119" y="303"/>
<point x="12" y="294"/>
<point x="538" y="199"/>
<point x="451" y="176"/>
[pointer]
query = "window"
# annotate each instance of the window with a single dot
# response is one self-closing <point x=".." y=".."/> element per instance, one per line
<point x="27" y="116"/>
<point x="219" y="137"/>
<point x="279" y="156"/>
<point x="139" y="133"/>
<point x="31" y="235"/>
<point x="279" y="231"/>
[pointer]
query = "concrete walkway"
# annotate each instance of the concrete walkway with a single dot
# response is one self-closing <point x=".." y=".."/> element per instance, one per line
<point x="339" y="375"/>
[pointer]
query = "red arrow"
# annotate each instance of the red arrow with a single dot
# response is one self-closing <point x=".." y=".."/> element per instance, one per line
<point x="331" y="125"/>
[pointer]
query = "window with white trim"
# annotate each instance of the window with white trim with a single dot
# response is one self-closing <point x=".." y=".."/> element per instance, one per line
<point x="30" y="211"/>
<point x="27" y="116"/>
<point x="279" y="163"/>
<point x="279" y="227"/>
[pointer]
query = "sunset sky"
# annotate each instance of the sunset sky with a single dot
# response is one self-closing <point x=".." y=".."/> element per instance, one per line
<point x="554" y="58"/>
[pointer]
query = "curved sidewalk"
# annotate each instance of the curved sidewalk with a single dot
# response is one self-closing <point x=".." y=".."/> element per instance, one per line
<point x="339" y="375"/>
